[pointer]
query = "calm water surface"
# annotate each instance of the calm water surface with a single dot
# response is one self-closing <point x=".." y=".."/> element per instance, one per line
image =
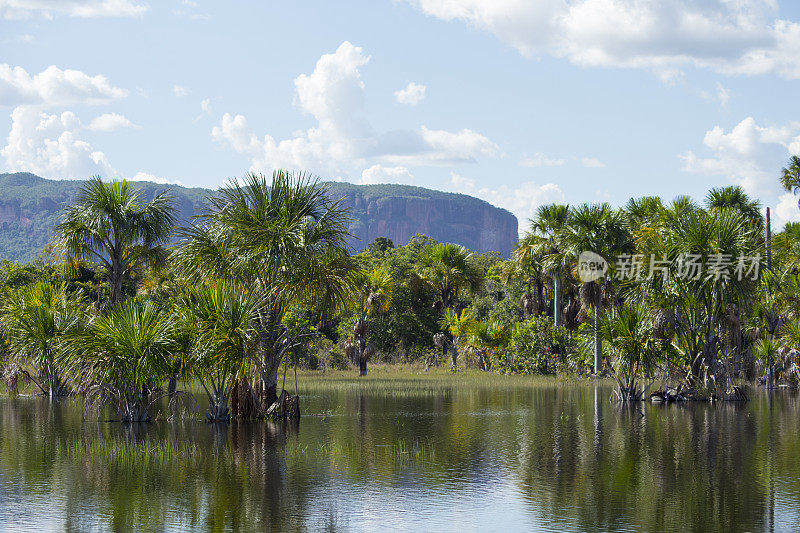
<point x="550" y="457"/>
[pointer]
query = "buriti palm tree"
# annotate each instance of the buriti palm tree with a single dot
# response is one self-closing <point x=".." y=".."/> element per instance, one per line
<point x="120" y="357"/>
<point x="36" y="320"/>
<point x="109" y="224"/>
<point x="283" y="238"/>
<point x="449" y="268"/>
<point x="541" y="246"/>
<point x="372" y="294"/>
<point x="223" y="318"/>
<point x="734" y="197"/>
<point x="595" y="228"/>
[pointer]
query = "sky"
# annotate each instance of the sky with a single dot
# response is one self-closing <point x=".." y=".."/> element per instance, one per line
<point x="521" y="103"/>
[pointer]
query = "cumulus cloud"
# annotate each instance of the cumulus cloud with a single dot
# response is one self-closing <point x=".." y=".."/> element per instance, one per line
<point x="50" y="146"/>
<point x="727" y="36"/>
<point x="343" y="138"/>
<point x="381" y="174"/>
<point x="745" y="154"/>
<point x="522" y="200"/>
<point x="17" y="9"/>
<point x="750" y="155"/>
<point x="54" y="87"/>
<point x="179" y="91"/>
<point x="412" y="94"/>
<point x="541" y="160"/>
<point x="110" y="122"/>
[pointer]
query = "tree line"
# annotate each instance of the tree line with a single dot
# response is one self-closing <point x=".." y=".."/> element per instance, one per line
<point x="263" y="277"/>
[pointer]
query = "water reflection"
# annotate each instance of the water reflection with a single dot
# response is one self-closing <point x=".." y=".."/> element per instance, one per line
<point x="557" y="457"/>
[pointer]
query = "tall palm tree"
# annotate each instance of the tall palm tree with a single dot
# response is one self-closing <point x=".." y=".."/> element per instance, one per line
<point x="109" y="224"/>
<point x="734" y="197"/>
<point x="541" y="246"/>
<point x="120" y="357"/>
<point x="461" y="326"/>
<point x="790" y="176"/>
<point x="36" y="319"/>
<point x="372" y="294"/>
<point x="449" y="268"/>
<point x="223" y="318"/>
<point x="600" y="229"/>
<point x="285" y="239"/>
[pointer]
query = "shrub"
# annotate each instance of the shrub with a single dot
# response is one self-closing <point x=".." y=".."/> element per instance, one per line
<point x="538" y="347"/>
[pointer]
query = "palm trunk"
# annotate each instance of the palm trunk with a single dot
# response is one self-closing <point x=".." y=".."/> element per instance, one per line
<point x="557" y="300"/>
<point x="362" y="359"/>
<point x="454" y="352"/>
<point x="598" y="344"/>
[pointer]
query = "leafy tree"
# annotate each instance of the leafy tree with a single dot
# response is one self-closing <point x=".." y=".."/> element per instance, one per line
<point x="36" y="320"/>
<point x="120" y="357"/>
<point x="372" y="295"/>
<point x="449" y="268"/>
<point x="108" y="225"/>
<point x="222" y="317"/>
<point x="600" y="229"/>
<point x="790" y="176"/>
<point x="284" y="239"/>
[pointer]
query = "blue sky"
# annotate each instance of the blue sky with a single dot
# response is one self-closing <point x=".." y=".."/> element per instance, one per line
<point x="517" y="102"/>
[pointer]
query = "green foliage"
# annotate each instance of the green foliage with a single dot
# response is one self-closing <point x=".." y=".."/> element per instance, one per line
<point x="538" y="347"/>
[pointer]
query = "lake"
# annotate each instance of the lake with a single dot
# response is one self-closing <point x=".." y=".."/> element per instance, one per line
<point x="420" y="455"/>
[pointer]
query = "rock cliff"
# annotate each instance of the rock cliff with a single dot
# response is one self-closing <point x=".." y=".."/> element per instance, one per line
<point x="30" y="207"/>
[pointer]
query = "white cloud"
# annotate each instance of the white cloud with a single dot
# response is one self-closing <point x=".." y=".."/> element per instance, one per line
<point x="592" y="162"/>
<point x="541" y="160"/>
<point x="723" y="95"/>
<point x="411" y="95"/>
<point x="787" y="209"/>
<point x="744" y="154"/>
<point x="381" y="174"/>
<point x="343" y="140"/>
<point x="726" y="36"/>
<point x="54" y="87"/>
<point x="144" y="176"/>
<point x="110" y="122"/>
<point x="205" y="106"/>
<point x="16" y="9"/>
<point x="179" y="91"/>
<point x="522" y="200"/>
<point x="49" y="145"/>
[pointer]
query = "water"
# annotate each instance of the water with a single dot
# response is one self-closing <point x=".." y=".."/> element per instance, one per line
<point x="549" y="456"/>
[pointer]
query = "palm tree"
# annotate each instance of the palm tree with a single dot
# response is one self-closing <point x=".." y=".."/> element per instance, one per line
<point x="703" y="298"/>
<point x="372" y="294"/>
<point x="540" y="246"/>
<point x="634" y="346"/>
<point x="286" y="240"/>
<point x="734" y="197"/>
<point x="36" y="319"/>
<point x="461" y="326"/>
<point x="449" y="268"/>
<point x="790" y="176"/>
<point x="223" y="319"/>
<point x="120" y="357"/>
<point x="595" y="228"/>
<point x="109" y="225"/>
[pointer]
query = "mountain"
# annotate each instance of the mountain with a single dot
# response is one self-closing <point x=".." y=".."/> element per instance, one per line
<point x="30" y="208"/>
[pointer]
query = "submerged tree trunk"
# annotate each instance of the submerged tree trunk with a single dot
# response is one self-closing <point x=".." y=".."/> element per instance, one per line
<point x="557" y="300"/>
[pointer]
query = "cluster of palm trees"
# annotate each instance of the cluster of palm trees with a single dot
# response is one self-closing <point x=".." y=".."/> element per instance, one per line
<point x="260" y="248"/>
<point x="681" y="311"/>
<point x="264" y="248"/>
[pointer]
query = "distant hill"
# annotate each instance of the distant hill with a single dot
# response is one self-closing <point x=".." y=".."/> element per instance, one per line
<point x="30" y="208"/>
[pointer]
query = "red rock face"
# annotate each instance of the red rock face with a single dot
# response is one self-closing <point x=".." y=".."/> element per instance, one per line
<point x="473" y="223"/>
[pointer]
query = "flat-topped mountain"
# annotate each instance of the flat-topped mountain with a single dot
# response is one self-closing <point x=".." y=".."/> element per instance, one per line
<point x="30" y="208"/>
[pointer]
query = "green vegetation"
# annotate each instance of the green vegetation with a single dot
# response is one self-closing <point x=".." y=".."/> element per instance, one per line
<point x="263" y="281"/>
